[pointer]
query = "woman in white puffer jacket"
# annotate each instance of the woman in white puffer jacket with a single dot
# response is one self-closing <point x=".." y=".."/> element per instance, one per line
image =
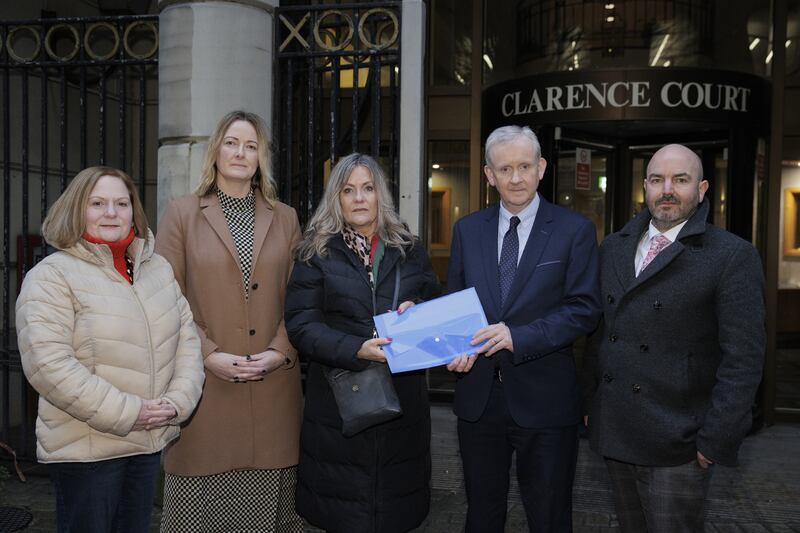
<point x="108" y="341"/>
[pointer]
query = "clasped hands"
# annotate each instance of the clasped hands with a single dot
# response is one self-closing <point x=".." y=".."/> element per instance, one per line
<point x="494" y="337"/>
<point x="243" y="368"/>
<point x="154" y="414"/>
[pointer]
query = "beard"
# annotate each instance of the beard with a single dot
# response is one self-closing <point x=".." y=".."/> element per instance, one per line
<point x="678" y="211"/>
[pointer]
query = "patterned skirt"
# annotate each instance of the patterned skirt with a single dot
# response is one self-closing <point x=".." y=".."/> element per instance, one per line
<point x="252" y="501"/>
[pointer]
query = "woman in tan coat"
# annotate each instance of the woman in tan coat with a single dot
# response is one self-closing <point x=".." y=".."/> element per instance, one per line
<point x="109" y="343"/>
<point x="230" y="245"/>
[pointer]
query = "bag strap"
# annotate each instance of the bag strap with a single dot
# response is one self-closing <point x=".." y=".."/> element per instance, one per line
<point x="396" y="291"/>
<point x="396" y="286"/>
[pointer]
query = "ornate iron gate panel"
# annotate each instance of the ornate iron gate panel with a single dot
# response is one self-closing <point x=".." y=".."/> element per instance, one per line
<point x="74" y="93"/>
<point x="337" y="91"/>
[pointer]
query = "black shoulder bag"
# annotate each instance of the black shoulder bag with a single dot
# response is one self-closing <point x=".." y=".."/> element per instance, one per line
<point x="366" y="398"/>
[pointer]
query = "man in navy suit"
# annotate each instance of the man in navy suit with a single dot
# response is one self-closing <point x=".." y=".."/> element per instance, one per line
<point x="534" y="266"/>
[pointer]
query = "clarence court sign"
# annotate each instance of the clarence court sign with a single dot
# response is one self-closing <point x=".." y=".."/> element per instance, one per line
<point x="631" y="94"/>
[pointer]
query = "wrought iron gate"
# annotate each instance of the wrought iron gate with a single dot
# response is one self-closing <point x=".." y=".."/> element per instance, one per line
<point x="74" y="93"/>
<point x="337" y="92"/>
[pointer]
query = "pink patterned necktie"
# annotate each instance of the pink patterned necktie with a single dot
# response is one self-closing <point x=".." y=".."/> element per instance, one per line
<point x="658" y="243"/>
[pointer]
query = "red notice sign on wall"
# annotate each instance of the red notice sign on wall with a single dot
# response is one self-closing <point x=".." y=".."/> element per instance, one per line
<point x="583" y="169"/>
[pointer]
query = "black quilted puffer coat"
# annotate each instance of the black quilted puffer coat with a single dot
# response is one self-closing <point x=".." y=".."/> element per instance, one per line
<point x="379" y="479"/>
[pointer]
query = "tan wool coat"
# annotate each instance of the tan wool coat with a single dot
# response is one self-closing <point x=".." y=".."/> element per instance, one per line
<point x="252" y="425"/>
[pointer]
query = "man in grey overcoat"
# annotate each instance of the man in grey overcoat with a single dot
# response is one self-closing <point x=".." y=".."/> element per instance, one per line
<point x="676" y="363"/>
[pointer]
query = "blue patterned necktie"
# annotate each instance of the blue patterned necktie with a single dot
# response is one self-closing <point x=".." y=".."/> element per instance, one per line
<point x="508" y="259"/>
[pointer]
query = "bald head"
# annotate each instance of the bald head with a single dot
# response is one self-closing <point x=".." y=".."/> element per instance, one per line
<point x="674" y="186"/>
<point x="683" y="156"/>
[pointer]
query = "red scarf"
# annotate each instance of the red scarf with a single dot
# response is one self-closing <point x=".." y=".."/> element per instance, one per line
<point x="118" y="250"/>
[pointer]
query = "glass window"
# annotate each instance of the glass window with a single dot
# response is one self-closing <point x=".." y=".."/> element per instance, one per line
<point x="448" y="200"/>
<point x="582" y="184"/>
<point x="638" y="173"/>
<point x="719" y="188"/>
<point x="451" y="42"/>
<point x="448" y="197"/>
<point x="533" y="36"/>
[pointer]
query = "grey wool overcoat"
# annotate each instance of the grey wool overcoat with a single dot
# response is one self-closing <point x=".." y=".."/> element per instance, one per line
<point x="677" y="360"/>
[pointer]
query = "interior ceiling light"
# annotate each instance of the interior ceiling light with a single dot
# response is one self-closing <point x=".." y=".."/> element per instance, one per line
<point x="667" y="63"/>
<point x="436" y="166"/>
<point x="610" y="18"/>
<point x="488" y="61"/>
<point x="788" y="42"/>
<point x="769" y="58"/>
<point x="754" y="43"/>
<point x="609" y="6"/>
<point x="660" y="50"/>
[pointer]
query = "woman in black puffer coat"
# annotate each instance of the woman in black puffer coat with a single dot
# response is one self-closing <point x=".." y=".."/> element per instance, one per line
<point x="377" y="480"/>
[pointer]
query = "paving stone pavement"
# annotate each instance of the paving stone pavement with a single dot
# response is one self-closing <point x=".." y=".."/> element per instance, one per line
<point x="761" y="495"/>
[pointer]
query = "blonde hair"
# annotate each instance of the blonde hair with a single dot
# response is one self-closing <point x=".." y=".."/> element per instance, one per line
<point x="328" y="219"/>
<point x="66" y="220"/>
<point x="263" y="177"/>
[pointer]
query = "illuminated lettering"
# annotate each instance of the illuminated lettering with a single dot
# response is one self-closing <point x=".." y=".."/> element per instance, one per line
<point x="665" y="94"/>
<point x="503" y="105"/>
<point x="638" y="97"/>
<point x="612" y="96"/>
<point x="554" y="98"/>
<point x="574" y="97"/>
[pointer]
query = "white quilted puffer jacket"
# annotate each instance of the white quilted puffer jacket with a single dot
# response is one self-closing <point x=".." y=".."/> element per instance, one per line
<point x="94" y="346"/>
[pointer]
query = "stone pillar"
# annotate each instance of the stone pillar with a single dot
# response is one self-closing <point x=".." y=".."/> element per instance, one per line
<point x="412" y="118"/>
<point x="214" y="57"/>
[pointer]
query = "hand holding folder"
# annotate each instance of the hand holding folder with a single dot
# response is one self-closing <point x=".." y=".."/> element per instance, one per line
<point x="432" y="333"/>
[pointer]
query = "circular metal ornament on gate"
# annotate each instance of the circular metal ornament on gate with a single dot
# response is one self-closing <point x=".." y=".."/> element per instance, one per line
<point x="48" y="46"/>
<point x="36" y="38"/>
<point x="395" y="29"/>
<point x="126" y="39"/>
<point x="87" y="39"/>
<point x="350" y="29"/>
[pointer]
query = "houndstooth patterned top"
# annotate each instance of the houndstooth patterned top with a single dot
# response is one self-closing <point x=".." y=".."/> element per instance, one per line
<point x="240" y="213"/>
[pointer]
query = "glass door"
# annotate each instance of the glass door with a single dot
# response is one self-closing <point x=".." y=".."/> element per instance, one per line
<point x="582" y="181"/>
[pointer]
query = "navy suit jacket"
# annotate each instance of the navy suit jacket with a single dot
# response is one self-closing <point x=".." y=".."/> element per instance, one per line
<point x="554" y="299"/>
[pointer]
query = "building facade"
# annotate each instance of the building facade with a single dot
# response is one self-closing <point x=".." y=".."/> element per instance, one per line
<point x="419" y="84"/>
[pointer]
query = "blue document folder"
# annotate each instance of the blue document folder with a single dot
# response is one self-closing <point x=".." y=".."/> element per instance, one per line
<point x="431" y="333"/>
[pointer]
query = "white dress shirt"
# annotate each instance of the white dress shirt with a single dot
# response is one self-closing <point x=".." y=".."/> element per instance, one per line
<point x="526" y="219"/>
<point x="647" y="237"/>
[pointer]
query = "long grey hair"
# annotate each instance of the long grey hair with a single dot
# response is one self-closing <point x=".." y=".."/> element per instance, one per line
<point x="328" y="219"/>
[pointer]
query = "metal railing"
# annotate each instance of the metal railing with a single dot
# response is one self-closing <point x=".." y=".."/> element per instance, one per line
<point x="336" y="92"/>
<point x="74" y="93"/>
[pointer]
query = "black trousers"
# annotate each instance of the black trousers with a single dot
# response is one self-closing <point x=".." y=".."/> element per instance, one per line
<point x="659" y="499"/>
<point x="545" y="469"/>
<point x="112" y="495"/>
